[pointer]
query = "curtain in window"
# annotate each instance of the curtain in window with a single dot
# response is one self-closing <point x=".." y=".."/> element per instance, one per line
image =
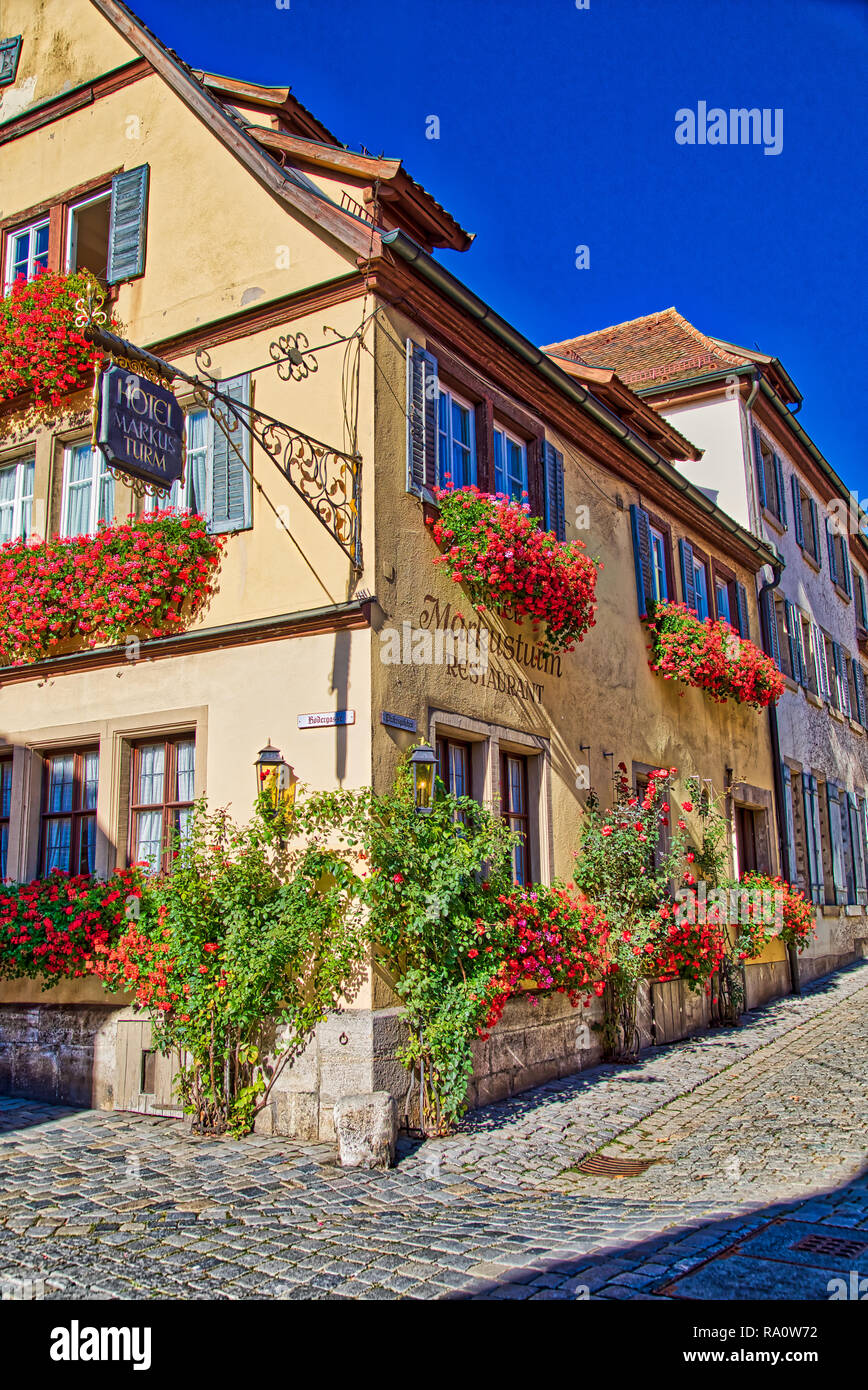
<point x="58" y="837"/>
<point x="186" y="768"/>
<point x="7" y="503"/>
<point x="149" y="839"/>
<point x="197" y="462"/>
<point x="152" y="762"/>
<point x="79" y="488"/>
<point x="60" y="784"/>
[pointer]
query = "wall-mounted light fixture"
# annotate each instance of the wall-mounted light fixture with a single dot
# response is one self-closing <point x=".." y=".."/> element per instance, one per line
<point x="275" y="784"/>
<point x="422" y="761"/>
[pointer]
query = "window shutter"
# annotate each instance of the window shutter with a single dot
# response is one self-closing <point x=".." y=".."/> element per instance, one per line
<point x="790" y="827"/>
<point x="791" y="638"/>
<point x="845" y="566"/>
<point x="820" y="662"/>
<point x="857" y="840"/>
<point x="782" y="497"/>
<point x="421" y="419"/>
<point x="843" y="683"/>
<point x="230" y="500"/>
<point x="553" y="491"/>
<point x="833" y="562"/>
<point x="760" y="471"/>
<point x="797" y="510"/>
<point x="833" y="806"/>
<point x="815" y="532"/>
<point x="685" y="551"/>
<point x="812" y="836"/>
<point x="128" y="224"/>
<point x="802" y="677"/>
<point x="862" y="609"/>
<point x="859" y="691"/>
<point x="642" y="558"/>
<point x="772" y="623"/>
<point x="741" y="610"/>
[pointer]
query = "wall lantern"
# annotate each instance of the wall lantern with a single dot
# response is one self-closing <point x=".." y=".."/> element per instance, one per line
<point x="275" y="783"/>
<point x="422" y="761"/>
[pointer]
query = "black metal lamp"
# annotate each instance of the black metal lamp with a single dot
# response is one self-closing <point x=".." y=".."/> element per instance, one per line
<point x="422" y="761"/>
<point x="275" y="783"/>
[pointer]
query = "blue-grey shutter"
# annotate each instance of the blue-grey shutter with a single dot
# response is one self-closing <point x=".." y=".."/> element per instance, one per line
<point x="642" y="558"/>
<point x="802" y="677"/>
<point x="128" y="221"/>
<point x="843" y="682"/>
<point x="760" y="471"/>
<point x="782" y="497"/>
<point x="797" y="510"/>
<point x="813" y="838"/>
<point x="833" y="562"/>
<point x="845" y="566"/>
<point x="822" y="664"/>
<point x="230" y="493"/>
<point x="772" y="625"/>
<point x="859" y="690"/>
<point x="833" y="807"/>
<point x="857" y="843"/>
<point x="553" y="490"/>
<point x="815" y="533"/>
<point x="421" y="419"/>
<point x="741" y="610"/>
<point x="792" y="644"/>
<point x="790" y="826"/>
<point x="688" y="588"/>
<point x="862" y="607"/>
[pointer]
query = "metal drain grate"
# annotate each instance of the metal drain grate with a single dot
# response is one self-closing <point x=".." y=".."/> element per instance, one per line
<point x="831" y="1245"/>
<point x="603" y="1167"/>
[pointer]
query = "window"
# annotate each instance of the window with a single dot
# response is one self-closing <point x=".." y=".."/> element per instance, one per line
<point x="861" y="601"/>
<point x="700" y="588"/>
<point x="26" y="253"/>
<point x="658" y="564"/>
<point x="453" y="766"/>
<point x="721" y="600"/>
<point x="87" y="245"/>
<point x="69" y="811"/>
<point x="5" y="813"/>
<point x="510" y="464"/>
<point x="513" y="801"/>
<point x="88" y="492"/>
<point x="770" y="479"/>
<point x="191" y="494"/>
<point x="161" y="799"/>
<point x="750" y="840"/>
<point x="839" y="559"/>
<point x="806" y="521"/>
<point x="811" y="678"/>
<point x="456" y="441"/>
<point x="16" y="500"/>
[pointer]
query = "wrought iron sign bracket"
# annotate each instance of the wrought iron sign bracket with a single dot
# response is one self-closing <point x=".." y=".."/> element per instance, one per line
<point x="327" y="479"/>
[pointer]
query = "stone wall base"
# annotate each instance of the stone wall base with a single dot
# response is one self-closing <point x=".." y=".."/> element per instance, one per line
<point x="59" y="1053"/>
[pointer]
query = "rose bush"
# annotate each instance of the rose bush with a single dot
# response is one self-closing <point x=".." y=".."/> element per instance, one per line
<point x="151" y="575"/>
<point x="41" y="350"/>
<point x="710" y="655"/>
<point x="496" y="549"/>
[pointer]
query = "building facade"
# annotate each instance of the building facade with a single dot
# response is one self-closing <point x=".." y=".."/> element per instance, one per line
<point x="741" y="408"/>
<point x="323" y="635"/>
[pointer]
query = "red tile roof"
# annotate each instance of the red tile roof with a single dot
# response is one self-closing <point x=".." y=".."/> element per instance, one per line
<point x="653" y="350"/>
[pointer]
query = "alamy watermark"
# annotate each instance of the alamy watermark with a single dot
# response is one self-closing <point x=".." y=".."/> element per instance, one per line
<point x="730" y="906"/>
<point x="736" y="126"/>
<point x="419" y="646"/>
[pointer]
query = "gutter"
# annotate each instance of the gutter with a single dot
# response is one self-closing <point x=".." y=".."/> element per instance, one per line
<point x="775" y="738"/>
<point x="452" y="287"/>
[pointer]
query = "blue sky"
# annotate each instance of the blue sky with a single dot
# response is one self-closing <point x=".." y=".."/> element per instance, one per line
<point x="557" y="129"/>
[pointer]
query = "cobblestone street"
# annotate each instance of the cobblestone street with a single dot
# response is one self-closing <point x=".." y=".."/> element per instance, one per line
<point x="757" y="1138"/>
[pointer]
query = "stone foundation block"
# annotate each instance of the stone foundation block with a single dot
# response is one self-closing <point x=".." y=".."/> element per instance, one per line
<point x="366" y="1127"/>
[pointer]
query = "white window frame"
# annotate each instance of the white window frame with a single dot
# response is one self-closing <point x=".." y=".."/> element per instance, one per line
<point x="453" y="398"/>
<point x="99" y="472"/>
<point x="20" y="499"/>
<point x="658" y="564"/>
<point x="104" y="197"/>
<point x="510" y="438"/>
<point x="31" y="229"/>
<point x="154" y="503"/>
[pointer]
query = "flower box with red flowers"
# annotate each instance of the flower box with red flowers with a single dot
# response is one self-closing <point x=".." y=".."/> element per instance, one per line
<point x="710" y="655"/>
<point x="56" y="927"/>
<point x="496" y="549"/>
<point x="44" y="356"/>
<point x="148" y="578"/>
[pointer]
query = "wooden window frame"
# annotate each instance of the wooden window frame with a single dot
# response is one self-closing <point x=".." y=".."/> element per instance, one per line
<point x="165" y="807"/>
<point x="700" y="558"/>
<point x="510" y="816"/>
<point x="659" y="523"/>
<point x="720" y="574"/>
<point x="445" y="741"/>
<point x="5" y="820"/>
<point x="471" y="406"/>
<point x="57" y="210"/>
<point x="77" y="815"/>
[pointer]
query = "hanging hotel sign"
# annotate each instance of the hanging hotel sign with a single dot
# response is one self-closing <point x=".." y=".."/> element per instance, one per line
<point x="139" y="427"/>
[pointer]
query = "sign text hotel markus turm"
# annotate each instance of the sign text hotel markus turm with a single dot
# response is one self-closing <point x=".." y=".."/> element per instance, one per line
<point x="140" y="427"/>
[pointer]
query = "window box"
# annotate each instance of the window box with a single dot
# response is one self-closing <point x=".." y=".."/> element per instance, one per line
<point x="711" y="656"/>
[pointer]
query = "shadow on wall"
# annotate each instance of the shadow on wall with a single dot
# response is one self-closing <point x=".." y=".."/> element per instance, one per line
<point x="340" y="686"/>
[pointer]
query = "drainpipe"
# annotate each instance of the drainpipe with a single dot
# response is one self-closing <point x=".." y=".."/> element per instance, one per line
<point x="774" y="733"/>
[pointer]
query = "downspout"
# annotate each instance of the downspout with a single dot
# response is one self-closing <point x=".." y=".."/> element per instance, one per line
<point x="774" y="734"/>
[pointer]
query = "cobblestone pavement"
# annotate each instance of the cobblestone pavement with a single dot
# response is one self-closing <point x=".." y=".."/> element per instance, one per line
<point x="757" y="1137"/>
